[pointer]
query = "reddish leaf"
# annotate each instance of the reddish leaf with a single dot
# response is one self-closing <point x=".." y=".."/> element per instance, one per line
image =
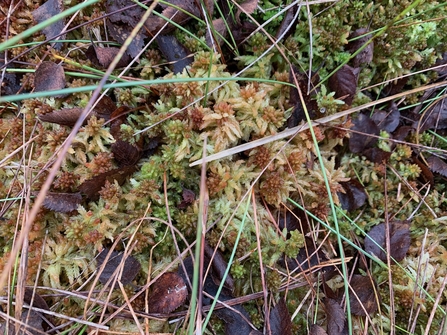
<point x="399" y="240"/>
<point x="92" y="186"/>
<point x="46" y="11"/>
<point x="316" y="330"/>
<point x="64" y="116"/>
<point x="366" y="55"/>
<point x="48" y="77"/>
<point x="280" y="321"/>
<point x="288" y="24"/>
<point x="62" y="202"/>
<point x="362" y="297"/>
<point x="125" y="154"/>
<point x="37" y="300"/>
<point x="174" y="52"/>
<point x="360" y="139"/>
<point x="69" y="116"/>
<point x="387" y="121"/>
<point x="434" y="118"/>
<point x="219" y="266"/>
<point x="354" y="195"/>
<point x="344" y="83"/>
<point x="124" y="16"/>
<point x="336" y="319"/>
<point x="103" y="57"/>
<point x="312" y="107"/>
<point x="130" y="270"/>
<point x="437" y="165"/>
<point x="247" y="7"/>
<point x="188" y="198"/>
<point x="168" y="293"/>
<point x="376" y="155"/>
<point x="426" y="174"/>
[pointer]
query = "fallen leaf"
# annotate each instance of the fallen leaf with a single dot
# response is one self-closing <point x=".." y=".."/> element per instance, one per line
<point x="247" y="7"/>
<point x="125" y="154"/>
<point x="92" y="186"/>
<point x="433" y="118"/>
<point x="336" y="319"/>
<point x="188" y="197"/>
<point x="31" y="325"/>
<point x="387" y="121"/>
<point x="354" y="196"/>
<point x="298" y="113"/>
<point x="174" y="52"/>
<point x="103" y="57"/>
<point x="62" y="202"/>
<point x="219" y="266"/>
<point x="49" y="76"/>
<point x="130" y="269"/>
<point x="123" y="17"/>
<point x="366" y="55"/>
<point x="400" y="240"/>
<point x="46" y="11"/>
<point x="437" y="165"/>
<point x="288" y="24"/>
<point x="344" y="83"/>
<point x="316" y="330"/>
<point x="280" y="321"/>
<point x="168" y="293"/>
<point x="360" y="138"/>
<point x="362" y="296"/>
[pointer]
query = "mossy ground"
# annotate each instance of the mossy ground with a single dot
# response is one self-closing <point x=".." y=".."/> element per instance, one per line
<point x="249" y="193"/>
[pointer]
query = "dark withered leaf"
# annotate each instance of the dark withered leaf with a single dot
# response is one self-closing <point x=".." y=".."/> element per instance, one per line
<point x="219" y="33"/>
<point x="437" y="165"/>
<point x="219" y="266"/>
<point x="49" y="76"/>
<point x="104" y="108"/>
<point x="366" y="55"/>
<point x="37" y="299"/>
<point x="336" y="319"/>
<point x="247" y="7"/>
<point x="362" y="297"/>
<point x="69" y="116"/>
<point x="168" y="293"/>
<point x="426" y="173"/>
<point x="103" y="57"/>
<point x="10" y="84"/>
<point x="360" y="139"/>
<point x="354" y="195"/>
<point x="288" y="24"/>
<point x="62" y="202"/>
<point x="442" y="71"/>
<point x="46" y="11"/>
<point x="280" y="321"/>
<point x="64" y="116"/>
<point x="174" y="52"/>
<point x="316" y="330"/>
<point x="31" y="325"/>
<point x="400" y="240"/>
<point x="298" y="113"/>
<point x="92" y="186"/>
<point x="188" y="197"/>
<point x="387" y="121"/>
<point x="117" y="118"/>
<point x="434" y="118"/>
<point x="124" y="16"/>
<point x="130" y="269"/>
<point x="125" y="154"/>
<point x="376" y="155"/>
<point x="344" y="83"/>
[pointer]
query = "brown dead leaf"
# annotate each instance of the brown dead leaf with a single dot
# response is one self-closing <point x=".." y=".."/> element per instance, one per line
<point x="354" y="195"/>
<point x="336" y="319"/>
<point x="280" y="321"/>
<point x="174" y="52"/>
<point x="344" y="83"/>
<point x="46" y="11"/>
<point x="362" y="297"/>
<point x="103" y="57"/>
<point x="247" y="7"/>
<point x="360" y="139"/>
<point x="400" y="240"/>
<point x="92" y="186"/>
<point x="168" y="293"/>
<point x="219" y="266"/>
<point x="437" y="165"/>
<point x="49" y="76"/>
<point x="62" y="202"/>
<point x="125" y="154"/>
<point x="130" y="270"/>
<point x="316" y="330"/>
<point x="366" y="55"/>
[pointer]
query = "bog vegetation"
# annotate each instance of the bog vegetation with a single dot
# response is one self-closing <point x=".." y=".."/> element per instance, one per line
<point x="223" y="167"/>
